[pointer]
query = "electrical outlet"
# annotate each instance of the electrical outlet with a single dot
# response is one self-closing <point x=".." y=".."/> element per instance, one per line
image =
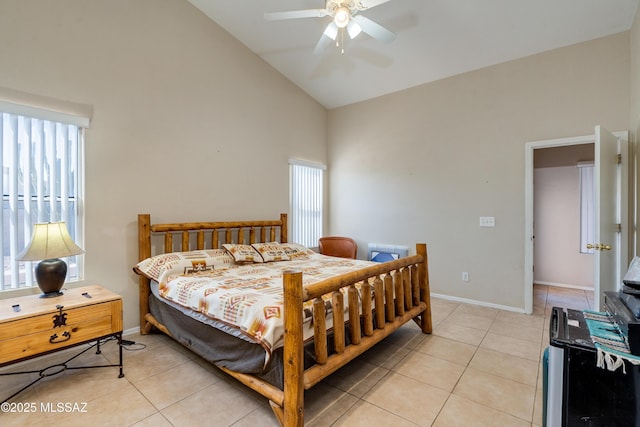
<point x="465" y="276"/>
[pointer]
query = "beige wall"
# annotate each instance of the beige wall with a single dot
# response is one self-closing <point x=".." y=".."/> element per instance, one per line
<point x="437" y="157"/>
<point x="188" y="124"/>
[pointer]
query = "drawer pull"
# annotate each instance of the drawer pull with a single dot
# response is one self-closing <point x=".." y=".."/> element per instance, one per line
<point x="54" y="337"/>
<point x="60" y="319"/>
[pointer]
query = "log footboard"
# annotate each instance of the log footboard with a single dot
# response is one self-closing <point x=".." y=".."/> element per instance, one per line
<point x="373" y="302"/>
<point x="400" y="291"/>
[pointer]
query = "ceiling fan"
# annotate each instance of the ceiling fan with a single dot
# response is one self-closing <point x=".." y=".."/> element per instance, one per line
<point x="345" y="16"/>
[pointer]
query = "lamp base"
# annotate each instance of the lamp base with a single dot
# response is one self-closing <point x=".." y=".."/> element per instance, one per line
<point x="51" y="294"/>
<point x="50" y="275"/>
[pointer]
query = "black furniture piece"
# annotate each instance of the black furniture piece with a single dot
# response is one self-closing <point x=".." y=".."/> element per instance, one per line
<point x="577" y="391"/>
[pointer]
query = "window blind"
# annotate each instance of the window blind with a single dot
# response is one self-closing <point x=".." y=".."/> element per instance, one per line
<point x="306" y="196"/>
<point x="41" y="182"/>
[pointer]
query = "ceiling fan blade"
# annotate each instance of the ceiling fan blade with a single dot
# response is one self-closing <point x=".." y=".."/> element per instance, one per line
<point x="374" y="29"/>
<point x="368" y="4"/>
<point x="353" y="28"/>
<point x="294" y="14"/>
<point x="328" y="36"/>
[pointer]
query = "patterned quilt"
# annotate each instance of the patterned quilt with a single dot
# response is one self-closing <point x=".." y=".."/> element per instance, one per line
<point x="250" y="297"/>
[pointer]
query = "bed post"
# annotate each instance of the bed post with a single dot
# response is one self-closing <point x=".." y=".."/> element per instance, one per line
<point x="293" y="351"/>
<point x="284" y="238"/>
<point x="425" y="291"/>
<point x="144" y="252"/>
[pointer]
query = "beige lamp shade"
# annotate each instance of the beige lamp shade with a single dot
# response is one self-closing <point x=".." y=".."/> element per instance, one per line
<point x="50" y="240"/>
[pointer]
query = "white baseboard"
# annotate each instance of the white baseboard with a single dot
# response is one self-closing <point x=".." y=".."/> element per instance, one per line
<point x="480" y="303"/>
<point x="131" y="331"/>
<point x="563" y="285"/>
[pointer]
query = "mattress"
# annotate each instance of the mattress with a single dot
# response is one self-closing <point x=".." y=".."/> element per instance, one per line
<point x="217" y="308"/>
<point x="248" y="299"/>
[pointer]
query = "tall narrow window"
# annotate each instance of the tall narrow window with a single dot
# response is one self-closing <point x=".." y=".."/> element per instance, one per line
<point x="587" y="206"/>
<point x="306" y="197"/>
<point x="41" y="182"/>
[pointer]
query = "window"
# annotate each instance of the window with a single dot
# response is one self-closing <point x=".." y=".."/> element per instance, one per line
<point x="42" y="180"/>
<point x="306" y="197"/>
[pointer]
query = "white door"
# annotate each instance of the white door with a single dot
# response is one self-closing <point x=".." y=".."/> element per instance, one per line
<point x="607" y="207"/>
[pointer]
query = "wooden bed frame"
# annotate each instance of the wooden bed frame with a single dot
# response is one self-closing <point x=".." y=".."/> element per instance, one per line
<point x="400" y="286"/>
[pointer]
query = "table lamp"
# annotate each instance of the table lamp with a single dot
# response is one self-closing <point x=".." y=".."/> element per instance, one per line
<point x="49" y="243"/>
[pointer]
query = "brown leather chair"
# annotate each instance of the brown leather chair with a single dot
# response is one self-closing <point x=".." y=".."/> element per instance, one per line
<point x="343" y="247"/>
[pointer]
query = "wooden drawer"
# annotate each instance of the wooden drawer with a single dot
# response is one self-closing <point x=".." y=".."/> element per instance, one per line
<point x="56" y="326"/>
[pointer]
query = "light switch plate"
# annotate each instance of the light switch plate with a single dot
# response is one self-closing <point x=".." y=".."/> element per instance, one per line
<point x="487" y="221"/>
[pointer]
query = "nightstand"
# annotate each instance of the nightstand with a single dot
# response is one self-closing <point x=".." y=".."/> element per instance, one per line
<point x="31" y="326"/>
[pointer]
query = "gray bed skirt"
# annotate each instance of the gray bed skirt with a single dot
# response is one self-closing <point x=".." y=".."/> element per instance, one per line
<point x="230" y="352"/>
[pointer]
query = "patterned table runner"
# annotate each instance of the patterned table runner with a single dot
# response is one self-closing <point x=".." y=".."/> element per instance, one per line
<point x="610" y="342"/>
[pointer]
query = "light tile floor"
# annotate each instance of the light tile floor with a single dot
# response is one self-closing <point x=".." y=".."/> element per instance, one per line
<point x="480" y="367"/>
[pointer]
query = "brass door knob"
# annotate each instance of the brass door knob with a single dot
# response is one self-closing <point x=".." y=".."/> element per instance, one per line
<point x="599" y="247"/>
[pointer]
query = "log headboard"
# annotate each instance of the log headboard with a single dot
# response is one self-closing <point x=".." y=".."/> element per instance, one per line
<point x="208" y="235"/>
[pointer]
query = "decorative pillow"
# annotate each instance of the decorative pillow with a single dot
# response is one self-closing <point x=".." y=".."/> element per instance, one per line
<point x="243" y="253"/>
<point x="295" y="250"/>
<point x="182" y="262"/>
<point x="271" y="251"/>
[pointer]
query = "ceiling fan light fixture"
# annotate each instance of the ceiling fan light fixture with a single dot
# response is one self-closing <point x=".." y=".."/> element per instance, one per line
<point x="341" y="18"/>
<point x="345" y="18"/>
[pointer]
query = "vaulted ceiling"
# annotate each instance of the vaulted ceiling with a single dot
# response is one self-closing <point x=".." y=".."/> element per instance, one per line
<point x="435" y="39"/>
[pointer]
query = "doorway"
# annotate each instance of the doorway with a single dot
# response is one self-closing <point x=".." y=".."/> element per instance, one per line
<point x="622" y="185"/>
<point x="560" y="257"/>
